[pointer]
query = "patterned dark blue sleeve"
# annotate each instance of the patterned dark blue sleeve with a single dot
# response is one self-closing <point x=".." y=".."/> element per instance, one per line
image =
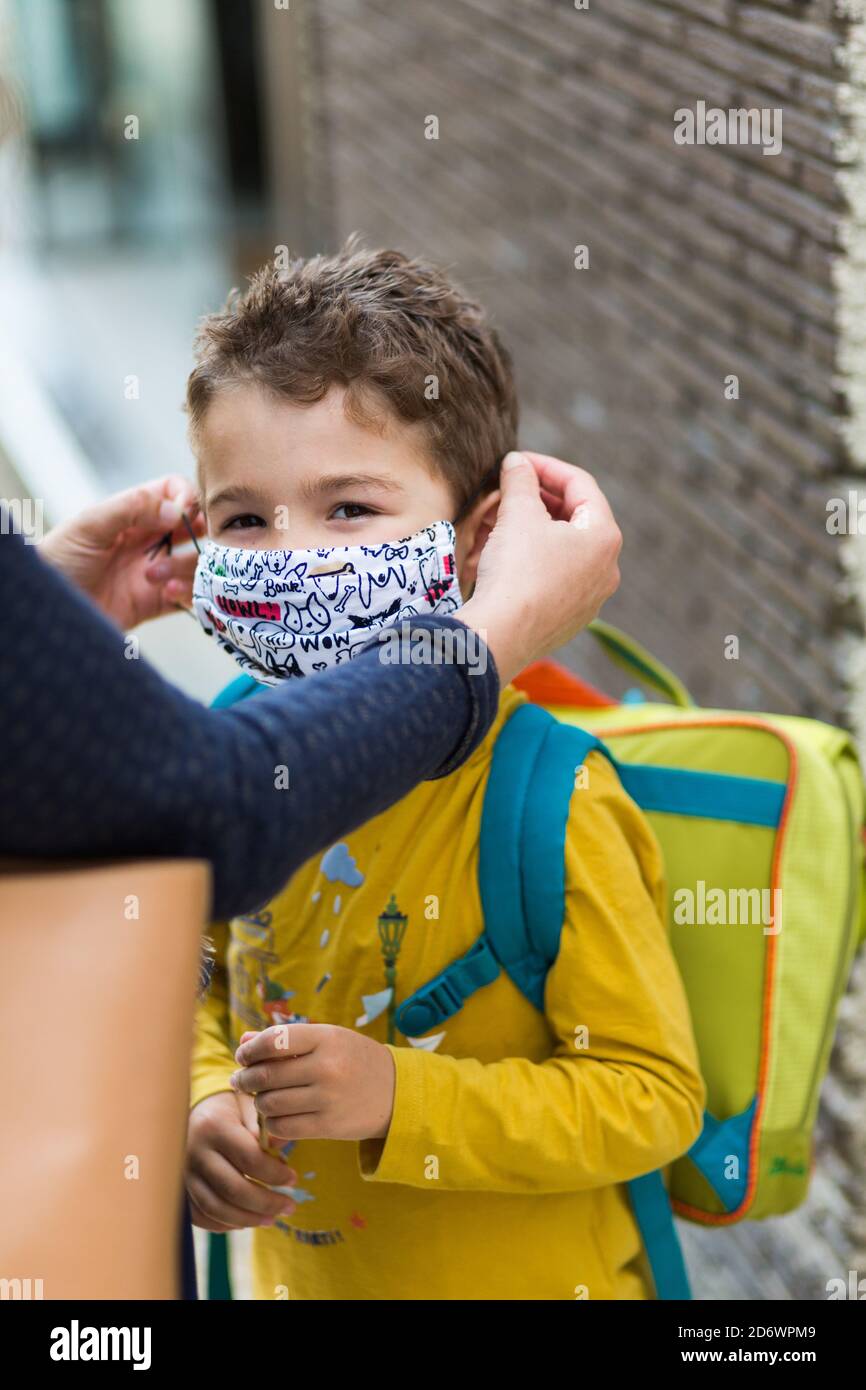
<point x="102" y="757"/>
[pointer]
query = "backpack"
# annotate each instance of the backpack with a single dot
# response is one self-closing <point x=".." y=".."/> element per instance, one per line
<point x="760" y="821"/>
<point x="753" y="813"/>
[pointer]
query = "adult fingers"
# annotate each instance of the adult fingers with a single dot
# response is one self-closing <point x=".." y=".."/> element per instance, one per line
<point x="180" y="565"/>
<point x="572" y="485"/>
<point x="519" y="488"/>
<point x="553" y="503"/>
<point x="149" y="506"/>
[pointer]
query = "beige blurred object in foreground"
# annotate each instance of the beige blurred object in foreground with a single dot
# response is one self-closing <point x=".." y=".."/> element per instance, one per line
<point x="96" y="1007"/>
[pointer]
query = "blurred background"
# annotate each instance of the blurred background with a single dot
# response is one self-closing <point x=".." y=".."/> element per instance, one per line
<point x="158" y="160"/>
<point x="116" y="240"/>
<point x="160" y="152"/>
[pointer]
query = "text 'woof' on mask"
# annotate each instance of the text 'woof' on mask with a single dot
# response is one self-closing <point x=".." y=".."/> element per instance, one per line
<point x="293" y="612"/>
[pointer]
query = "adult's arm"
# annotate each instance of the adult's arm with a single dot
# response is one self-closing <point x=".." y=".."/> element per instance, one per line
<point x="101" y="756"/>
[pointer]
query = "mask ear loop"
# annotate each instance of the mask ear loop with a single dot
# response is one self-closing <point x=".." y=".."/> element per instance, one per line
<point x="165" y="543"/>
<point x="192" y="535"/>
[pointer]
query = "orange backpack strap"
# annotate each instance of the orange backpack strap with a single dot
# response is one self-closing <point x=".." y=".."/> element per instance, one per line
<point x="548" y="683"/>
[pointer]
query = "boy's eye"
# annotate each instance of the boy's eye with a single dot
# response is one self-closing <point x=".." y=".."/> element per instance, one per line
<point x="246" y="521"/>
<point x="351" y="510"/>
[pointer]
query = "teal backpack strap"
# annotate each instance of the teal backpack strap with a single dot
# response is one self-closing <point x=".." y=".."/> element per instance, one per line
<point x="521" y="873"/>
<point x="446" y="994"/>
<point x="653" y="1213"/>
<point x="522" y="841"/>
<point x="543" y="849"/>
<point x="500" y="862"/>
<point x="237" y="689"/>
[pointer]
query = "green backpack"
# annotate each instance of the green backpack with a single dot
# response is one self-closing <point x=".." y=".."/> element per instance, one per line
<point x="760" y="821"/>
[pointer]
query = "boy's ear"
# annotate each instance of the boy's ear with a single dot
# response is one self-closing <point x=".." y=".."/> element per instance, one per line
<point x="472" y="533"/>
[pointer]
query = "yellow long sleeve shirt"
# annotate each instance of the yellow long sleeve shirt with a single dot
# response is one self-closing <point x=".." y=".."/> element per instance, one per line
<point x="513" y="1131"/>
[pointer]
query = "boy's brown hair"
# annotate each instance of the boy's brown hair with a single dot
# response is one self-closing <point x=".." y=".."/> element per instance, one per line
<point x="388" y="328"/>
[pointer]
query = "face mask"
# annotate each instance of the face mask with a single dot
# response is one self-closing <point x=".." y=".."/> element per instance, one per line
<point x="294" y="612"/>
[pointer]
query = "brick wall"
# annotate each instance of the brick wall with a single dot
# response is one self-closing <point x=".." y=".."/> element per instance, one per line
<point x="556" y="130"/>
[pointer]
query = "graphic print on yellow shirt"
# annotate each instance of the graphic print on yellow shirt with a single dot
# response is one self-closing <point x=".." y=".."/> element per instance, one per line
<point x="258" y="1001"/>
<point x="501" y="1175"/>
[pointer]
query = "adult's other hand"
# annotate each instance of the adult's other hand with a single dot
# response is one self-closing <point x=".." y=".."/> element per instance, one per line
<point x="104" y="550"/>
<point x="549" y="564"/>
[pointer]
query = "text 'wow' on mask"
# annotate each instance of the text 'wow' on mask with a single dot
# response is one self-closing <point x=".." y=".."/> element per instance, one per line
<point x="294" y="612"/>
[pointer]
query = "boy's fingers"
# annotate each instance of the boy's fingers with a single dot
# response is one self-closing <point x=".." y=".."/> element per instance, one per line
<point x="215" y="1211"/>
<point x="274" y="1076"/>
<point x="282" y="1040"/>
<point x="211" y="1202"/>
<point x="205" y="1222"/>
<point x="236" y="1188"/>
<point x="241" y="1149"/>
<point x="295" y="1100"/>
<point x="267" y="1077"/>
<point x="249" y="1116"/>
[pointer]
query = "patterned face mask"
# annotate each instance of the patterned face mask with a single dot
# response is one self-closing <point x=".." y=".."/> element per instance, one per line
<point x="288" y="613"/>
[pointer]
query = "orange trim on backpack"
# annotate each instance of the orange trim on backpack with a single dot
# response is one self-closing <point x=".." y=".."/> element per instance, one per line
<point x="683" y="1208"/>
<point x="549" y="683"/>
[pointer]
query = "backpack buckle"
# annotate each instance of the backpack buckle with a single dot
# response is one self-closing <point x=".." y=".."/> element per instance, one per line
<point x="445" y="995"/>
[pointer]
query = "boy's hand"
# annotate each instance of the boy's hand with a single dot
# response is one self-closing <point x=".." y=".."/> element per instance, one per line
<point x="317" y="1081"/>
<point x="223" y="1155"/>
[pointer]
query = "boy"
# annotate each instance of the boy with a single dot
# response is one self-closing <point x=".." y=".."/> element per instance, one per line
<point x="354" y="401"/>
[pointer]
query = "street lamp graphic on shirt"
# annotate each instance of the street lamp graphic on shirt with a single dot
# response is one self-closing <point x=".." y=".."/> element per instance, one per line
<point x="392" y="929"/>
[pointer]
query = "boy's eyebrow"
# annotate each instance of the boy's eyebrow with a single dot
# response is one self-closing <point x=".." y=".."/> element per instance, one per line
<point x="327" y="484"/>
<point x="236" y="493"/>
<point x="338" y="482"/>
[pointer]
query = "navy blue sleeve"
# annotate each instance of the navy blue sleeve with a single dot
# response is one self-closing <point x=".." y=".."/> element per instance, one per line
<point x="102" y="757"/>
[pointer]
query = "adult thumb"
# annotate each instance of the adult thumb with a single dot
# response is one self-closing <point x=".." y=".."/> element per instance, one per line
<point x="137" y="507"/>
<point x="519" y="485"/>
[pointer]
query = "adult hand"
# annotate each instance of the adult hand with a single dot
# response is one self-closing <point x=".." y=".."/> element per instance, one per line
<point x="549" y="564"/>
<point x="103" y="550"/>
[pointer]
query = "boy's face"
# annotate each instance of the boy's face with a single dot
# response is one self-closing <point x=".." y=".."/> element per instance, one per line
<point x="275" y="475"/>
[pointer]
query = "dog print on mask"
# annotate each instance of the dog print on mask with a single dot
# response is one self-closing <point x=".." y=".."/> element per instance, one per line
<point x="273" y="649"/>
<point x="303" y="611"/>
<point x="308" y="619"/>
